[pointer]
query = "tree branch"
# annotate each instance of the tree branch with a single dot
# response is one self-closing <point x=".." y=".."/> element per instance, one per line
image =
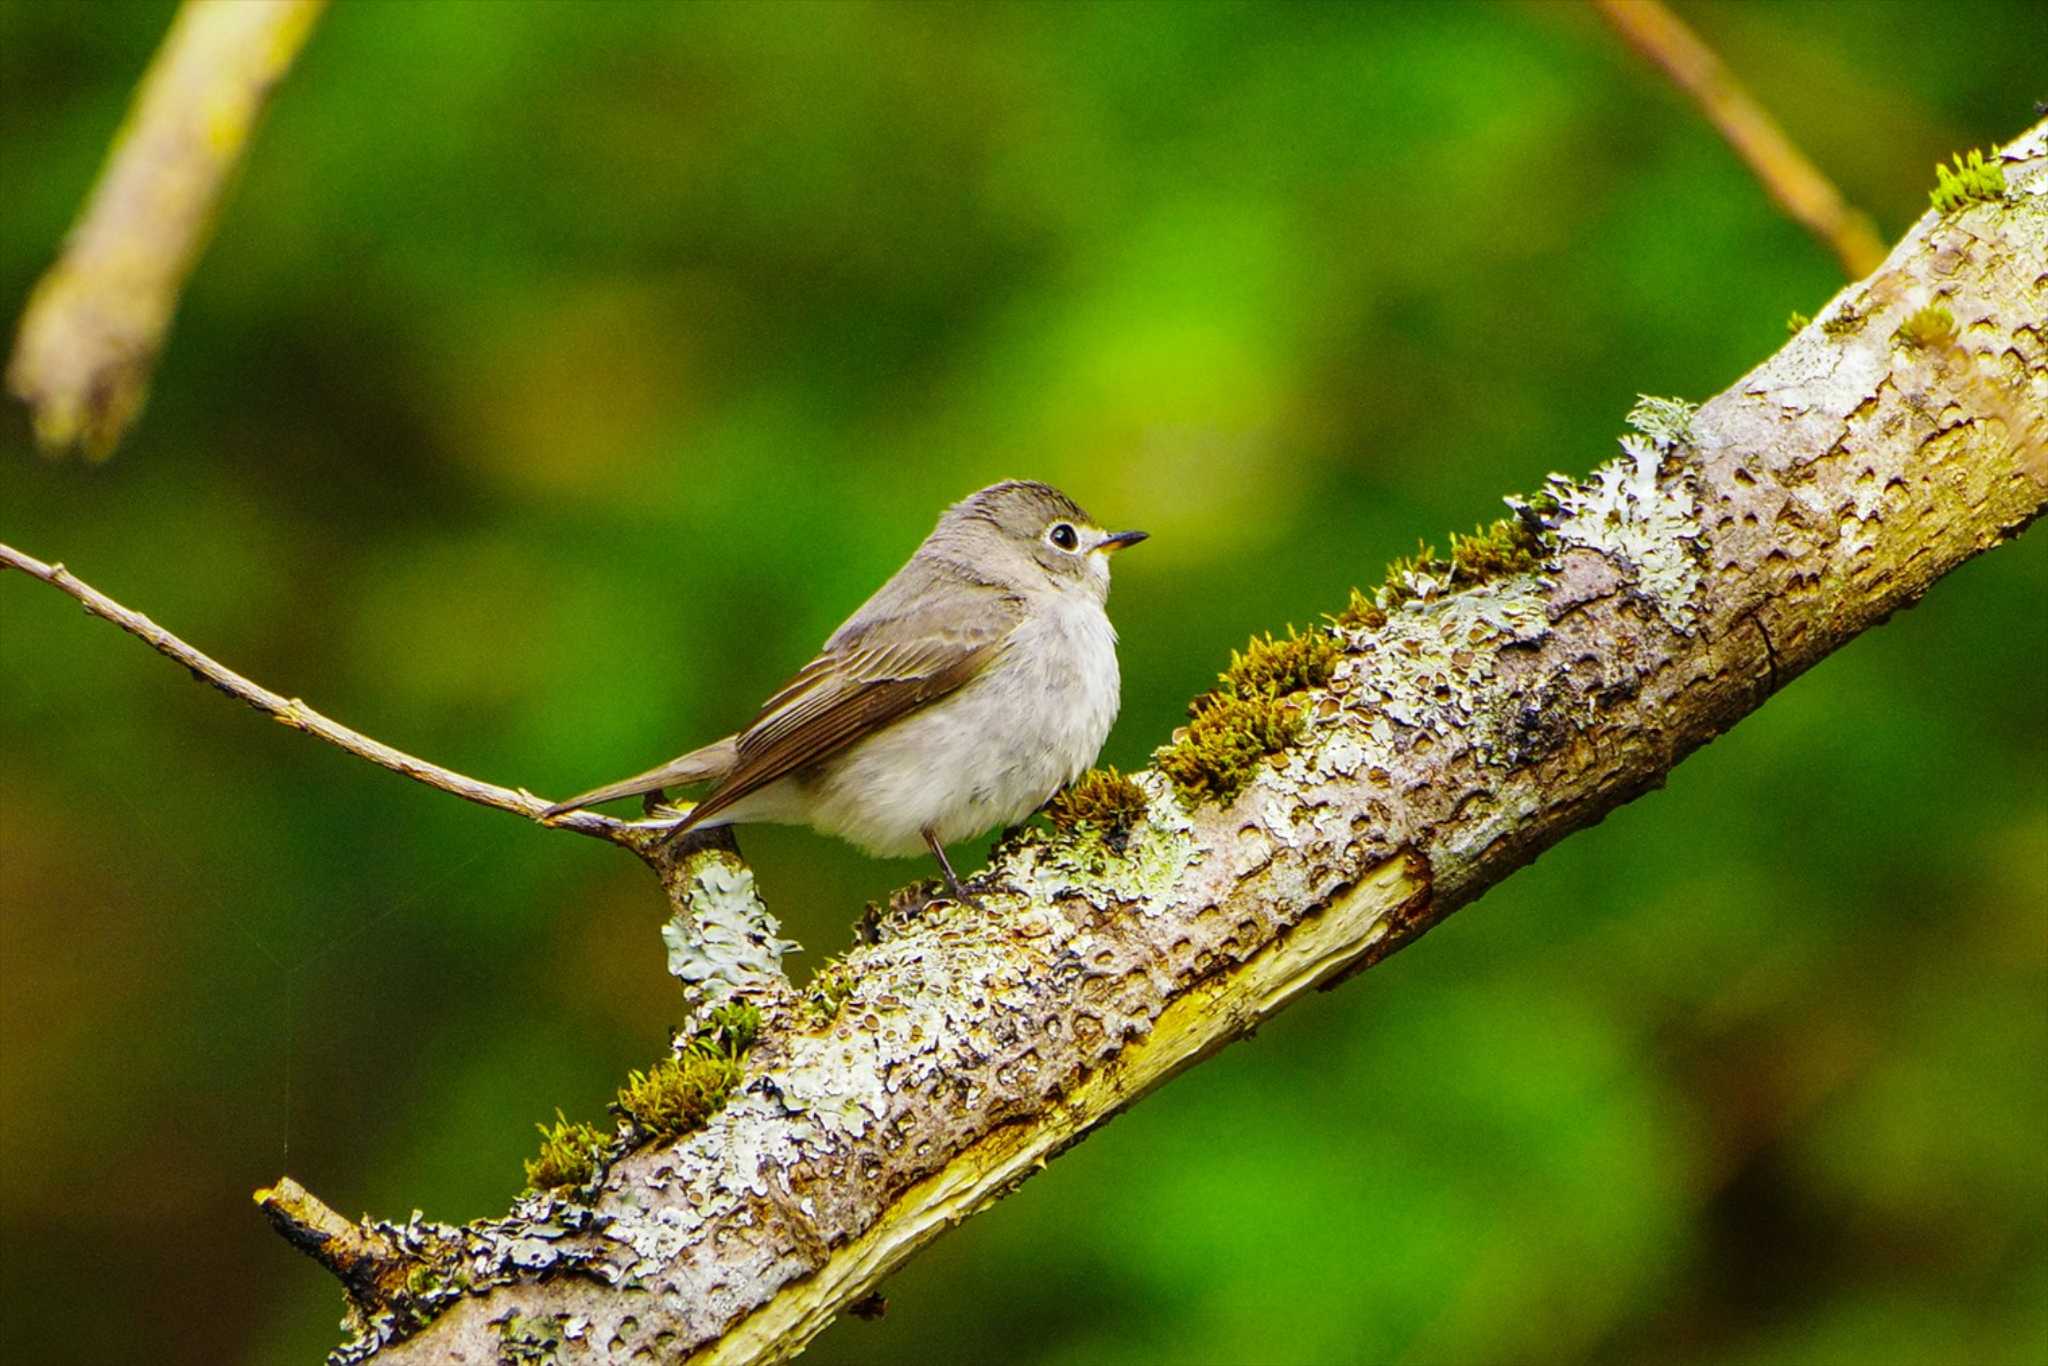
<point x="1463" y="728"/>
<point x="90" y="335"/>
<point x="290" y="711"/>
<point x="1798" y="186"/>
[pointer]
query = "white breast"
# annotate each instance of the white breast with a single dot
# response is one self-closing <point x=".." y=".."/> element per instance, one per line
<point x="985" y="756"/>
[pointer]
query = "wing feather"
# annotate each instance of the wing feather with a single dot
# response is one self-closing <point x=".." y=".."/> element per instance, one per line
<point x="862" y="681"/>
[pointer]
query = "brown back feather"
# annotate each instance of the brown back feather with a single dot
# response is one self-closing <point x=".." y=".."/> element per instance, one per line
<point x="874" y="671"/>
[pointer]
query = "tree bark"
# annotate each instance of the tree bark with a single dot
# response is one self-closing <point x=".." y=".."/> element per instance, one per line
<point x="1720" y="556"/>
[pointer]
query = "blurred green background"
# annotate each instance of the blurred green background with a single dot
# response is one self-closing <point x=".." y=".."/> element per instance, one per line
<point x="561" y="374"/>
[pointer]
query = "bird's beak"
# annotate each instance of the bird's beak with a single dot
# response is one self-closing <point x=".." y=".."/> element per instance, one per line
<point x="1117" y="540"/>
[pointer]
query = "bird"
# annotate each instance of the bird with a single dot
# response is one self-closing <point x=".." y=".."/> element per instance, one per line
<point x="971" y="687"/>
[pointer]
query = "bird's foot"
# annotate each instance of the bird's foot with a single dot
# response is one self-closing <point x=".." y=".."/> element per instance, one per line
<point x="953" y="887"/>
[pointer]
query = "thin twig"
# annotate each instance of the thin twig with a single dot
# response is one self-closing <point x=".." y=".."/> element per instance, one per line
<point x="93" y="327"/>
<point x="1797" y="185"/>
<point x="634" y="835"/>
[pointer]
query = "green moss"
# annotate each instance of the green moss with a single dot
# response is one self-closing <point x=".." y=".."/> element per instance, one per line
<point x="570" y="1155"/>
<point x="674" y="1096"/>
<point x="827" y="990"/>
<point x="1930" y="327"/>
<point x="1846" y="323"/>
<point x="1507" y="545"/>
<point x="730" y="1028"/>
<point x="1971" y="180"/>
<point x="1244" y="718"/>
<point x="1219" y="751"/>
<point x="1359" y="614"/>
<point x="677" y="1094"/>
<point x="1102" y="799"/>
<point x="1796" y="322"/>
<point x="1274" y="667"/>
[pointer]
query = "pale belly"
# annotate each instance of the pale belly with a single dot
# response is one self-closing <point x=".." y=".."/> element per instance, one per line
<point x="985" y="756"/>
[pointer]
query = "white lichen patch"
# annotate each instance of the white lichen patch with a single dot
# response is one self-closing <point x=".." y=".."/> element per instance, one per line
<point x="711" y="1175"/>
<point x="1645" y="522"/>
<point x="721" y="938"/>
<point x="1341" y="755"/>
<point x="838" y="1081"/>
<point x="655" y="1238"/>
<point x="1666" y="421"/>
<point x="1428" y="667"/>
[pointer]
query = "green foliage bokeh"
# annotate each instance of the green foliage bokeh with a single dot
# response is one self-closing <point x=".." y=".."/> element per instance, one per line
<point x="562" y="373"/>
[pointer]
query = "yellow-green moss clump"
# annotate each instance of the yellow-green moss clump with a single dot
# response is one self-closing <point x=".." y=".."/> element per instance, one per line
<point x="827" y="990"/>
<point x="1101" y="799"/>
<point x="731" y="1028"/>
<point x="570" y="1155"/>
<point x="1971" y="180"/>
<point x="1931" y="327"/>
<point x="678" y="1094"/>
<point x="1796" y="322"/>
<point x="1844" y="324"/>
<point x="1507" y="545"/>
<point x="672" y="1097"/>
<point x="1270" y="667"/>
<point x="1359" y="614"/>
<point x="1243" y="719"/>
<point x="1219" y="751"/>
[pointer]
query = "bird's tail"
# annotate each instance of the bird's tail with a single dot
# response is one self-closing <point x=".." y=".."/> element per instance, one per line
<point x="708" y="764"/>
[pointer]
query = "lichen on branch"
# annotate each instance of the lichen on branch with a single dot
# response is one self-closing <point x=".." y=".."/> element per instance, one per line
<point x="1353" y="784"/>
<point x="1390" y="768"/>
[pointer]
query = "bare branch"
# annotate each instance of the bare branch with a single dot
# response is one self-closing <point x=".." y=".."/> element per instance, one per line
<point x="359" y="1258"/>
<point x="1798" y="186"/>
<point x="90" y="335"/>
<point x="635" y="835"/>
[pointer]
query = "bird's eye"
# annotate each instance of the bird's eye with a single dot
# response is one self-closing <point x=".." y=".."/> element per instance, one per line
<point x="1063" y="536"/>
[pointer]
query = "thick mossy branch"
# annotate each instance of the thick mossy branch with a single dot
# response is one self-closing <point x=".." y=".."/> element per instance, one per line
<point x="1294" y="837"/>
<point x="1973" y="179"/>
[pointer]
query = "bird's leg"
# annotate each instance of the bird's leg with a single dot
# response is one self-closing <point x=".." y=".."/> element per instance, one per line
<point x="960" y="894"/>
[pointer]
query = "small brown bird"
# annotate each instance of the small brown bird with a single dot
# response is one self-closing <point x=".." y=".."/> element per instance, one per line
<point x="978" y="681"/>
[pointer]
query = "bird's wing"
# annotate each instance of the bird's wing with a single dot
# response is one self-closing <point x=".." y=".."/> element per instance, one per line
<point x="865" y="679"/>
